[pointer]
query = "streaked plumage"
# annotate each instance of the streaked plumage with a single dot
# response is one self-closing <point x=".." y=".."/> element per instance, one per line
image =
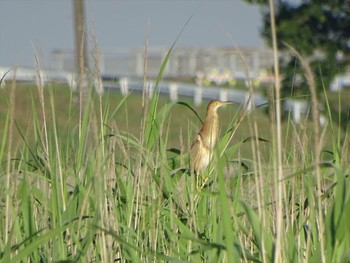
<point x="203" y="145"/>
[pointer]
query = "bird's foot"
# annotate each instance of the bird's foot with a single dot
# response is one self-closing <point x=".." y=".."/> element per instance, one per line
<point x="201" y="184"/>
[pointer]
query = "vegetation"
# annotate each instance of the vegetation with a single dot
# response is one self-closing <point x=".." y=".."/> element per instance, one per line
<point x="92" y="189"/>
<point x="105" y="184"/>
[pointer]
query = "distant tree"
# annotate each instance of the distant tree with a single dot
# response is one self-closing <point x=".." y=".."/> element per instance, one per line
<point x="319" y="30"/>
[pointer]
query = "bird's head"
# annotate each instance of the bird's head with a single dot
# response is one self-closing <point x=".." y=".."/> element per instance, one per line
<point x="215" y="104"/>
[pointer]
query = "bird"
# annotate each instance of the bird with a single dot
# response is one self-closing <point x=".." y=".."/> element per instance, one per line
<point x="203" y="145"/>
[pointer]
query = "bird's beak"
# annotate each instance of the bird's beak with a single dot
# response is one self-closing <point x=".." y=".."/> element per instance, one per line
<point x="222" y="103"/>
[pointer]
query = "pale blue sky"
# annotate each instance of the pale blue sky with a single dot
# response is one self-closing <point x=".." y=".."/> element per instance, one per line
<point x="48" y="24"/>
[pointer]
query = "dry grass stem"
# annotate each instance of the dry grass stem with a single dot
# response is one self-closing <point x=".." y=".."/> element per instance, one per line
<point x="279" y="185"/>
<point x="317" y="140"/>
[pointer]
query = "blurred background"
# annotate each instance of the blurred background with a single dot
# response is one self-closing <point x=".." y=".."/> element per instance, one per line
<point x="223" y="46"/>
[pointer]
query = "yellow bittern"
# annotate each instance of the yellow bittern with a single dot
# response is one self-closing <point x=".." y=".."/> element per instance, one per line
<point x="203" y="146"/>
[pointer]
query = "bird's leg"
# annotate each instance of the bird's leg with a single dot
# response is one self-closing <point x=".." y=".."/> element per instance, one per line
<point x="198" y="183"/>
<point x="201" y="181"/>
<point x="204" y="181"/>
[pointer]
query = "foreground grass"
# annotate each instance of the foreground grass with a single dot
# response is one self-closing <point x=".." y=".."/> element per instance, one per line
<point x="114" y="186"/>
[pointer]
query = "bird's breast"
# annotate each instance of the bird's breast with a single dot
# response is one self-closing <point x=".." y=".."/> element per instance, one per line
<point x="209" y="134"/>
<point x="200" y="155"/>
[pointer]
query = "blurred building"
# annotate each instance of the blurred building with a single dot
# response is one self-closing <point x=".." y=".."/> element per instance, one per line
<point x="240" y="63"/>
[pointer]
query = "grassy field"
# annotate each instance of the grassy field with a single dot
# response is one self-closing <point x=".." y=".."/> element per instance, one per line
<point x="111" y="184"/>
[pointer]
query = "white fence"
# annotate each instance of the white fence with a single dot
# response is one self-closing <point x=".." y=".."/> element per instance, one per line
<point x="176" y="90"/>
<point x="173" y="90"/>
<point x="22" y="74"/>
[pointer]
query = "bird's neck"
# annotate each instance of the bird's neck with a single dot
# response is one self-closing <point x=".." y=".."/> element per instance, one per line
<point x="210" y="129"/>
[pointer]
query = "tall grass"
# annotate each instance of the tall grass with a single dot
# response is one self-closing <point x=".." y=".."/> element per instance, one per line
<point x="277" y="141"/>
<point x="77" y="198"/>
<point x="92" y="191"/>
